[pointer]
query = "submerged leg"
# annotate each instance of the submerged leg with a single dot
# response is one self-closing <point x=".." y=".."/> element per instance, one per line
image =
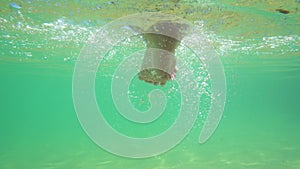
<point x="159" y="64"/>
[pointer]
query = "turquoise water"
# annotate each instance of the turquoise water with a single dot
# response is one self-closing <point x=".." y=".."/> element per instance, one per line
<point x="258" y="46"/>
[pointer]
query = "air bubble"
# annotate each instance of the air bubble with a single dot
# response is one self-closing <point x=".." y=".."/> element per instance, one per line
<point x="67" y="58"/>
<point x="14" y="5"/>
<point x="28" y="54"/>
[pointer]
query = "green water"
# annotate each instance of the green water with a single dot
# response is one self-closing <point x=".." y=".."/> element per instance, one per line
<point x="259" y="49"/>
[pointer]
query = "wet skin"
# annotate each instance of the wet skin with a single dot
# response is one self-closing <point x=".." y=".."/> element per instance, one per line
<point x="154" y="75"/>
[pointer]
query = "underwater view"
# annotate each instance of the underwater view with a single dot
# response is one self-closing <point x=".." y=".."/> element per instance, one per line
<point x="129" y="84"/>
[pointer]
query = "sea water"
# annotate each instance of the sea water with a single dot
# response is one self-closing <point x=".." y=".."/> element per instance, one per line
<point x="258" y="46"/>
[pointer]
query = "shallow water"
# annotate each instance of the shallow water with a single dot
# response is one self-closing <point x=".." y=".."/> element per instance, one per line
<point x="258" y="46"/>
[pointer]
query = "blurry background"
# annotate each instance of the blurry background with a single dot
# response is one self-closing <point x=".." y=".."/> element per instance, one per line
<point x="258" y="42"/>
